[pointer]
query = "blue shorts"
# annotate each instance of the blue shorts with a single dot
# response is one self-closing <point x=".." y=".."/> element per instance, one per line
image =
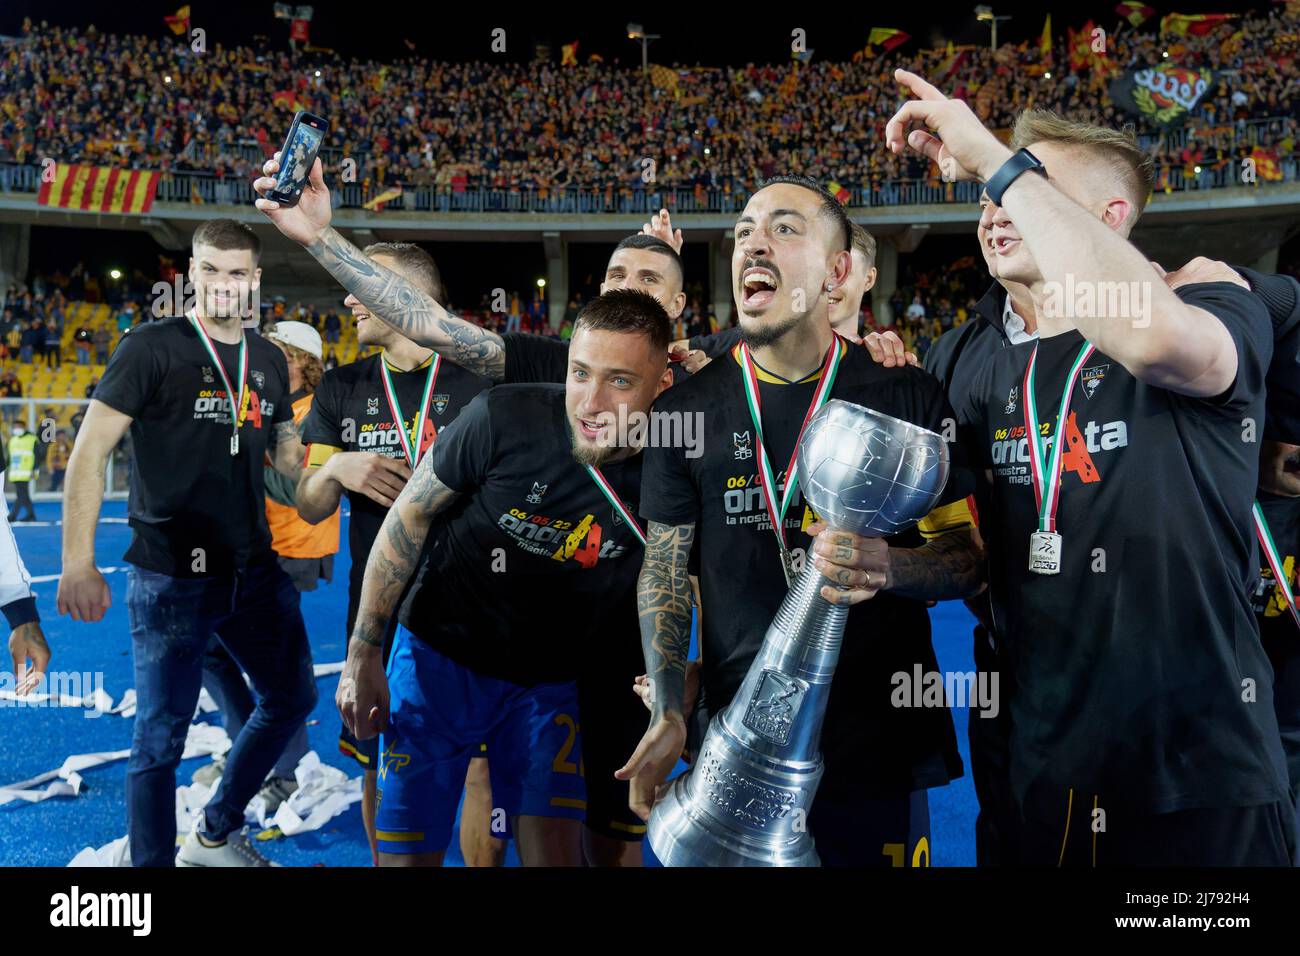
<point x="440" y="716"/>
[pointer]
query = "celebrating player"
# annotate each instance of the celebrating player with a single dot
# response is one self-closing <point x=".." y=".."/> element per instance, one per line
<point x="1142" y="726"/>
<point x="792" y="252"/>
<point x="204" y="401"/>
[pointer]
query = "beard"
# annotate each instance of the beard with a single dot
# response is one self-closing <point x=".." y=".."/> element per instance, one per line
<point x="769" y="334"/>
<point x="583" y="453"/>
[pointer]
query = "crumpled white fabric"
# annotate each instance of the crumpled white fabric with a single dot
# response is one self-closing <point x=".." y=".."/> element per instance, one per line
<point x="323" y="793"/>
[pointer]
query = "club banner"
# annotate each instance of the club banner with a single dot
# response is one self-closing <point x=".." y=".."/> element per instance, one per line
<point x="99" y="189"/>
<point x="1164" y="94"/>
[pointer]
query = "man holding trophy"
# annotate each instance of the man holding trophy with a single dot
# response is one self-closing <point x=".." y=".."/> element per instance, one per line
<point x="747" y="502"/>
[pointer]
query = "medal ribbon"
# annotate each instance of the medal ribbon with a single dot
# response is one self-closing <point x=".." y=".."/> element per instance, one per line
<point x="1047" y="480"/>
<point x="240" y="403"/>
<point x="608" y="491"/>
<point x="1275" y="561"/>
<point x="823" y="393"/>
<point x="410" y="443"/>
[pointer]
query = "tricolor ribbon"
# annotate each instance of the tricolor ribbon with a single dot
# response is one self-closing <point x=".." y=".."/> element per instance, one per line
<point x="608" y="491"/>
<point x="238" y="406"/>
<point x="1047" y="481"/>
<point x="410" y="443"/>
<point x="830" y="367"/>
<point x="1275" y="561"/>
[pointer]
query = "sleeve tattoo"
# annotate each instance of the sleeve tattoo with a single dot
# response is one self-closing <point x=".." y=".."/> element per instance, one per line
<point x="286" y="437"/>
<point x="398" y="302"/>
<point x="396" y="550"/>
<point x="664" y="607"/>
<point x="947" y="567"/>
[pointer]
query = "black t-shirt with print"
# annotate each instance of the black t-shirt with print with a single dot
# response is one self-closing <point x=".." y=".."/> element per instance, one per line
<point x="194" y="509"/>
<point x="521" y="580"/>
<point x="351" y="412"/>
<point x="1138" y="672"/>
<point x="870" y="747"/>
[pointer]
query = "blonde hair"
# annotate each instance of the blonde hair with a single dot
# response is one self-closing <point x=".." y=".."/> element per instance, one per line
<point x="312" y="367"/>
<point x="864" y="242"/>
<point x="1119" y="149"/>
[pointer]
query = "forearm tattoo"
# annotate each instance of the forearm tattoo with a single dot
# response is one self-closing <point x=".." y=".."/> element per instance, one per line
<point x="396" y="551"/>
<point x="664" y="607"/>
<point x="949" y="566"/>
<point x="398" y="302"/>
<point x="286" y="438"/>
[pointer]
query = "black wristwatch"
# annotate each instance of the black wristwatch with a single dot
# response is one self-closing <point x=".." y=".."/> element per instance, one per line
<point x="1008" y="172"/>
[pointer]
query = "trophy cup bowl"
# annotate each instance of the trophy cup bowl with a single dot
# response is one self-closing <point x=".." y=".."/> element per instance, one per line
<point x="745" y="800"/>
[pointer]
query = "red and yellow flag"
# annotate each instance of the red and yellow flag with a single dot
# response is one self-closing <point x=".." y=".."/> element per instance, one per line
<point x="887" y="38"/>
<point x="838" y="191"/>
<point x="99" y="189"/>
<point x="1197" y="24"/>
<point x="179" y="21"/>
<point x="1045" y="41"/>
<point x="1266" y="163"/>
<point x="1135" y="12"/>
<point x="569" y="54"/>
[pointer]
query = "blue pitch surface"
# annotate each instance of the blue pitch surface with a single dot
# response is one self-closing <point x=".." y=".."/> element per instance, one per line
<point x="33" y="741"/>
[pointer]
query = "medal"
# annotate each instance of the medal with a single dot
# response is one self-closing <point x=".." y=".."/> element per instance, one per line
<point x="410" y="444"/>
<point x="775" y="513"/>
<point x="1045" y="543"/>
<point x="238" y="401"/>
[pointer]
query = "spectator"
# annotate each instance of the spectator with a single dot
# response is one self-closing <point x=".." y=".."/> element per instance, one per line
<point x="332" y="329"/>
<point x="53" y="347"/>
<point x="90" y="388"/>
<point x="33" y="341"/>
<point x="101" y="340"/>
<point x="56" y="459"/>
<point x="81" y="341"/>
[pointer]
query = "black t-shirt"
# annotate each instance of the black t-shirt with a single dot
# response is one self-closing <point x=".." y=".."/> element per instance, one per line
<point x="534" y="358"/>
<point x="351" y="411"/>
<point x="1128" y="666"/>
<point x="519" y="584"/>
<point x="869" y="746"/>
<point x="717" y="343"/>
<point x="188" y="492"/>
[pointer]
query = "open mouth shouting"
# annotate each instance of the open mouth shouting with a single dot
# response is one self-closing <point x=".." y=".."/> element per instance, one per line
<point x="758" y="285"/>
<point x="1004" y="244"/>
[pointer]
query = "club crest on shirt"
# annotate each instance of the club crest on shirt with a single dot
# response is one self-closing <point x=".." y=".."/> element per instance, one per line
<point x="742" y="444"/>
<point x="1012" y="399"/>
<point x="372" y="406"/>
<point x="207" y="375"/>
<point x="535" y="496"/>
<point x="440" y="403"/>
<point x="258" y="379"/>
<point x="1092" y="378"/>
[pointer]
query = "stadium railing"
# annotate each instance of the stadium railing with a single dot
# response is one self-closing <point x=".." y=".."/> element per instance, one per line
<point x="44" y="418"/>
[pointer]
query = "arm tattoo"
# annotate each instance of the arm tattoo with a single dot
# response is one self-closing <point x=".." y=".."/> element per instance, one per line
<point x="478" y="350"/>
<point x="397" y="301"/>
<point x="663" y="593"/>
<point x="396" y="550"/>
<point x="949" y="566"/>
<point x="286" y="438"/>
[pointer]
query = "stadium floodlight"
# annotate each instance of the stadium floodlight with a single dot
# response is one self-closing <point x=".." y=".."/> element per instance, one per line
<point x="541" y="283"/>
<point x="115" y="274"/>
<point x="636" y="31"/>
<point x="984" y="14"/>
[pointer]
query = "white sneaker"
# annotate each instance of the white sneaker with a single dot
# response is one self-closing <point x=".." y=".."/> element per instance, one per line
<point x="236" y="851"/>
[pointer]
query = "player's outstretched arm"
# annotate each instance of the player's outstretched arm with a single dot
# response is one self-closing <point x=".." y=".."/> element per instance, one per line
<point x="1159" y="339"/>
<point x="83" y="592"/>
<point x="362" y="696"/>
<point x="388" y="296"/>
<point x="664" y="607"/>
<point x="321" y="487"/>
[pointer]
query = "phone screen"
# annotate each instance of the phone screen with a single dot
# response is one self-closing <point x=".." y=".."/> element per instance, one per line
<point x="295" y="164"/>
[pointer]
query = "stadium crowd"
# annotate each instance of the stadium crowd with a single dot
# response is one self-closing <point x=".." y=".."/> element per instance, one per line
<point x="150" y="102"/>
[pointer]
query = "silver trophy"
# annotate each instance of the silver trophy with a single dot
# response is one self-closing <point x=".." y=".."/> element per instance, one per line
<point x="745" y="800"/>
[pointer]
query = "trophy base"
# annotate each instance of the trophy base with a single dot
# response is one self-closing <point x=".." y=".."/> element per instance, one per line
<point x="680" y="837"/>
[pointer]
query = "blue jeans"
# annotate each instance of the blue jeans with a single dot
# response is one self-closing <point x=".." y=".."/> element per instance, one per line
<point x="255" y="614"/>
<point x="225" y="682"/>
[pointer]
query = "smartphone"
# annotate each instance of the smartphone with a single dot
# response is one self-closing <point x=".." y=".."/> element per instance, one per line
<point x="296" y="158"/>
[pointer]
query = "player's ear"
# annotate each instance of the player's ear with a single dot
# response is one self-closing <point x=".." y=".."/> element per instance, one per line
<point x="841" y="266"/>
<point x="665" y="381"/>
<point x="871" y="279"/>
<point x="679" y="303"/>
